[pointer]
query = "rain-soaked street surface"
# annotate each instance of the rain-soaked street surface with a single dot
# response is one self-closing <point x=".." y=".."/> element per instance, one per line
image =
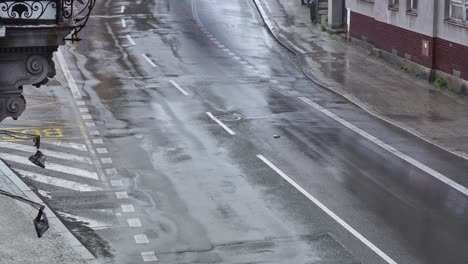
<point x="205" y="144"/>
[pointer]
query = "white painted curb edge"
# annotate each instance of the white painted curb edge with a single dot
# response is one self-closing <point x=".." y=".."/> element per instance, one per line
<point x="51" y="216"/>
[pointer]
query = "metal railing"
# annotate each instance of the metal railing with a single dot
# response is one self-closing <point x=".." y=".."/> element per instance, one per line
<point x="74" y="13"/>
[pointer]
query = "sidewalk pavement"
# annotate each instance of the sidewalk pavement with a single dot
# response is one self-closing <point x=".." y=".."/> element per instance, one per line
<point x="18" y="240"/>
<point x="386" y="92"/>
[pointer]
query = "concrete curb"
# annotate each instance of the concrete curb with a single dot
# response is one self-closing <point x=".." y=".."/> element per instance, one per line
<point x="273" y="27"/>
<point x="54" y="221"/>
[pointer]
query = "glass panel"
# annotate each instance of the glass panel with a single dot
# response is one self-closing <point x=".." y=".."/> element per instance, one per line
<point x="457" y="12"/>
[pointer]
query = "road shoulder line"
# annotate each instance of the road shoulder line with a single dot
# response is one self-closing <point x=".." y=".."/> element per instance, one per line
<point x="388" y="148"/>
<point x="273" y="31"/>
<point x="328" y="211"/>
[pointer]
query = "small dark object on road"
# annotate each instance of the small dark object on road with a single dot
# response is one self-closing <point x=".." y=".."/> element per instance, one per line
<point x="302" y="2"/>
<point x="276" y="136"/>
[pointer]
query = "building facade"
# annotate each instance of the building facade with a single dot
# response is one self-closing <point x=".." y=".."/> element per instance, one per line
<point x="430" y="33"/>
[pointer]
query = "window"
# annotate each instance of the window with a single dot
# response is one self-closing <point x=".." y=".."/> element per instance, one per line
<point x="393" y="4"/>
<point x="459" y="10"/>
<point x="412" y="5"/>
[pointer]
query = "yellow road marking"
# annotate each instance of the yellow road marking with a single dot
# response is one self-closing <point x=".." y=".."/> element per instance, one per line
<point x="51" y="122"/>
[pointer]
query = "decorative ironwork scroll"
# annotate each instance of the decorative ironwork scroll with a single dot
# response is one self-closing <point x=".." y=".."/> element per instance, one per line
<point x="28" y="10"/>
<point x="80" y="12"/>
<point x="74" y="13"/>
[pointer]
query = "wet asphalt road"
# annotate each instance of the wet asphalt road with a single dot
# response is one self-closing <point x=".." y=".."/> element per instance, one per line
<point x="200" y="193"/>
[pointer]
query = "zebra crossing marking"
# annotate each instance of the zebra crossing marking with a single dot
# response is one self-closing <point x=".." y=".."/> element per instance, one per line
<point x="52" y="166"/>
<point x="47" y="152"/>
<point x="70" y="185"/>
<point x="72" y="145"/>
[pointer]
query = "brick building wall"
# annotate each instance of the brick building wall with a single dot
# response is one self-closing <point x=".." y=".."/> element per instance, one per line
<point x="451" y="56"/>
<point x="438" y="53"/>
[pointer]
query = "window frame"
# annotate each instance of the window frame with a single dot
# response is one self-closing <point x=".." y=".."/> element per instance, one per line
<point x="394" y="4"/>
<point x="412" y="7"/>
<point x="460" y="3"/>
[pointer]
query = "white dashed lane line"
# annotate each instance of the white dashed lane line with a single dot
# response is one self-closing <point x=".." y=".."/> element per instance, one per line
<point x="127" y="208"/>
<point x="124" y="23"/>
<point x="149" y="60"/>
<point x="116" y="183"/>
<point x="328" y="211"/>
<point x="98" y="141"/>
<point x="149" y="256"/>
<point x="220" y="123"/>
<point x="121" y="195"/>
<point x="122" y="9"/>
<point x="101" y="150"/>
<point x="134" y="222"/>
<point x="178" y="87"/>
<point x="130" y="40"/>
<point x="141" y="239"/>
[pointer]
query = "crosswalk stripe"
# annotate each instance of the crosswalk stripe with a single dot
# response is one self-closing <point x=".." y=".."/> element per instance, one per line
<point x="63" y="144"/>
<point x="91" y="223"/>
<point x="52" y="166"/>
<point x="75" y="186"/>
<point x="47" y="152"/>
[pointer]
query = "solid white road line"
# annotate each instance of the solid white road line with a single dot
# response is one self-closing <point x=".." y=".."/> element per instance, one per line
<point x="149" y="256"/>
<point x="220" y="123"/>
<point x="328" y="211"/>
<point x="178" y="87"/>
<point x="63" y="144"/>
<point x="74" y="186"/>
<point x="149" y="60"/>
<point x="68" y="76"/>
<point x="389" y="148"/>
<point x="130" y="40"/>
<point x="52" y="153"/>
<point x="51" y="166"/>
<point x="122" y="9"/>
<point x="124" y="24"/>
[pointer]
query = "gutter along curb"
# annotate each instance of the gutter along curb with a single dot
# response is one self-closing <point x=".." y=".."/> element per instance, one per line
<point x="273" y="29"/>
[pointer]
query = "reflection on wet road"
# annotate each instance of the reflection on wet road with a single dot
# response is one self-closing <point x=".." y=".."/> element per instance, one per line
<point x="199" y="116"/>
